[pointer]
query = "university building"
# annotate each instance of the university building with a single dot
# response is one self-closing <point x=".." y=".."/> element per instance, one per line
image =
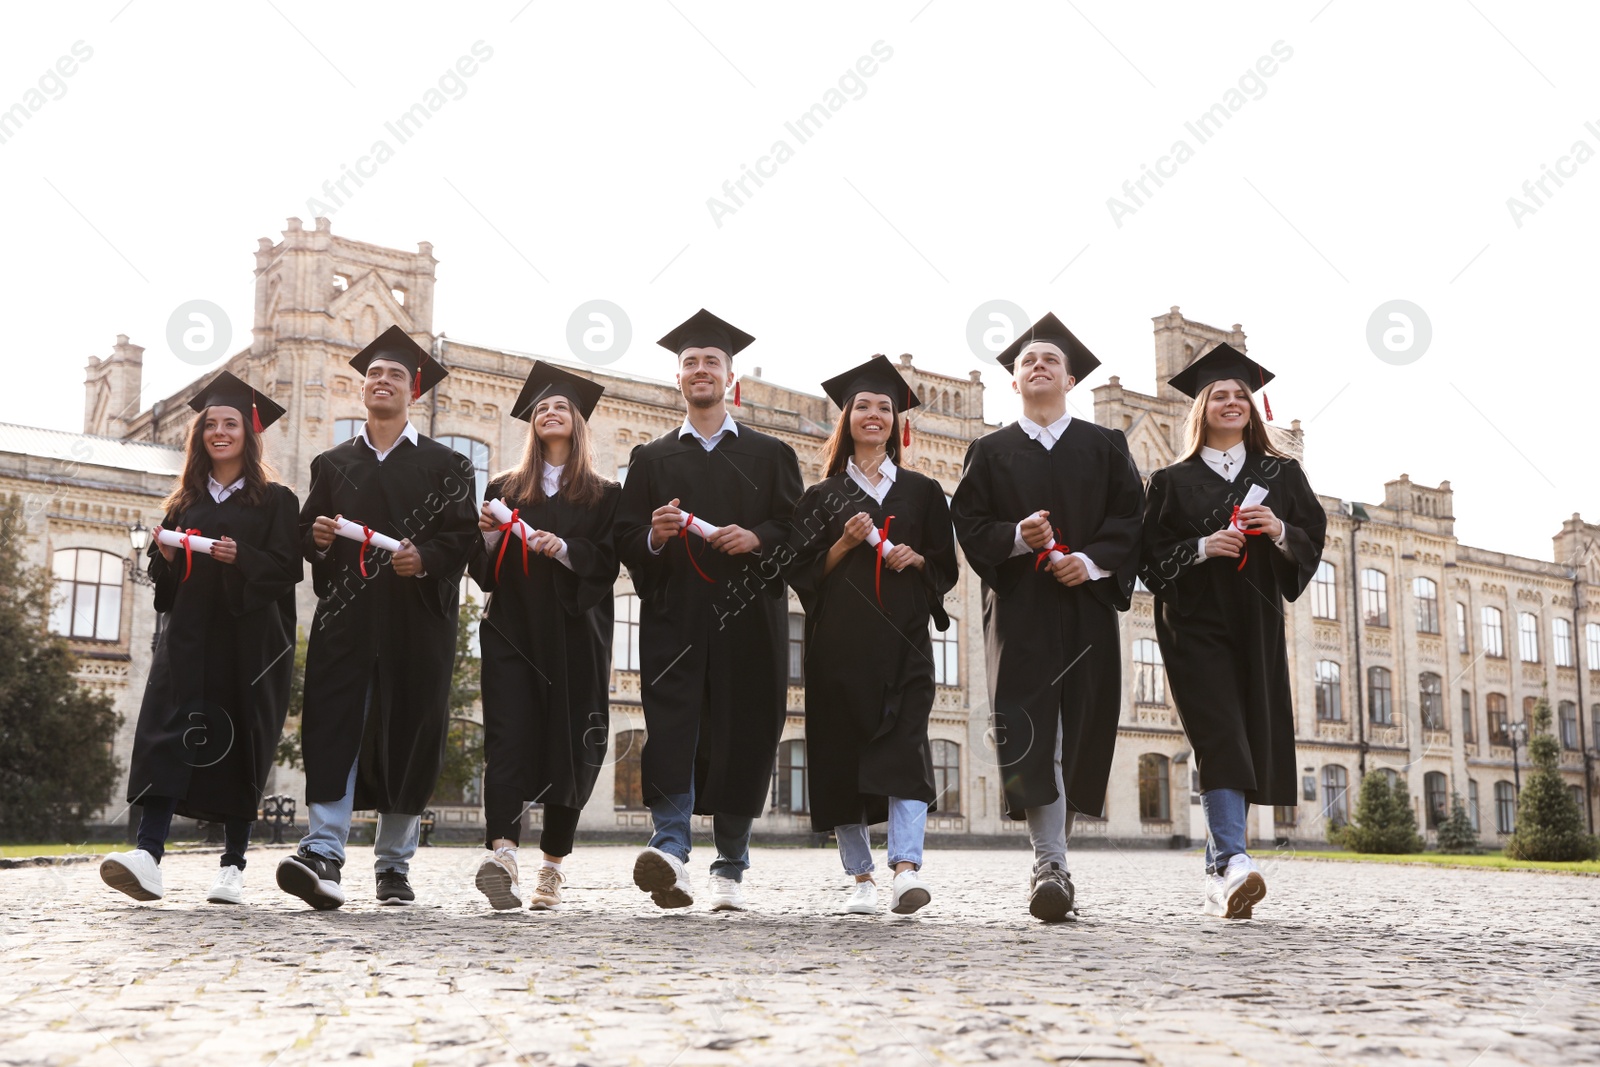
<point x="1412" y="654"/>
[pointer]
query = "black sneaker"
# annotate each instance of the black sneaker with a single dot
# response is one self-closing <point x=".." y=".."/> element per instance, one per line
<point x="1050" y="897"/>
<point x="394" y="887"/>
<point x="312" y="878"/>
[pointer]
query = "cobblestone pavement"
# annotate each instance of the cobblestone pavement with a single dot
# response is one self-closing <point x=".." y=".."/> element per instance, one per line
<point x="1345" y="963"/>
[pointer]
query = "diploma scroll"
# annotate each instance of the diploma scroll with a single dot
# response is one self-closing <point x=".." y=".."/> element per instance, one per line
<point x="1057" y="551"/>
<point x="698" y="525"/>
<point x="502" y="515"/>
<point x="873" y="537"/>
<point x="1252" y="496"/>
<point x="174" y="539"/>
<point x="354" y="531"/>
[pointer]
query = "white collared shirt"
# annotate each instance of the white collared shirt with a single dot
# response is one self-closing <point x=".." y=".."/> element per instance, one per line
<point x="407" y="434"/>
<point x="550" y="482"/>
<point x="220" y="492"/>
<point x="1048" y="436"/>
<point x="886" y="473"/>
<point x="708" y="443"/>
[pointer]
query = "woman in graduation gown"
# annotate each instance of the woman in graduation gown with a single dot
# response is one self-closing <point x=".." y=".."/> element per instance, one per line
<point x="1220" y="572"/>
<point x="218" y="690"/>
<point x="545" y="635"/>
<point x="869" y="659"/>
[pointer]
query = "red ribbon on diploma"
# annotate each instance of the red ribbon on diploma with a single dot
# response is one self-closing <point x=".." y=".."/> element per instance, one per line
<point x="366" y="540"/>
<point x="877" y="566"/>
<point x="1055" y="545"/>
<point x="505" y="536"/>
<point x="188" y="556"/>
<point x="688" y="547"/>
<point x="1233" y="521"/>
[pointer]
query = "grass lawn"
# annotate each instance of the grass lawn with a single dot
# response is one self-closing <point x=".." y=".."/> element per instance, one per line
<point x="1496" y="860"/>
<point x="13" y="852"/>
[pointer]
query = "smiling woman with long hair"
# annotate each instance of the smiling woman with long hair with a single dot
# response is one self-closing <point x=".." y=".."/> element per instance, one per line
<point x="219" y="681"/>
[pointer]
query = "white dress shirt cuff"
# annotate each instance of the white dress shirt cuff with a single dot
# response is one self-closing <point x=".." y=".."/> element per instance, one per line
<point x="1200" y="550"/>
<point x="1094" y="571"/>
<point x="650" y="543"/>
<point x="1020" y="547"/>
<point x="561" y="555"/>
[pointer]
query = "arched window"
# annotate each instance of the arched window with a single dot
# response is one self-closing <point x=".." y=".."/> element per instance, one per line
<point x="625" y="632"/>
<point x="1463" y="643"/>
<point x="1430" y="688"/>
<point x="1149" y="680"/>
<point x="1389" y="775"/>
<point x="1154" y="792"/>
<point x="477" y="452"/>
<point x="1325" y="592"/>
<point x="1495" y="704"/>
<point x="86" y="599"/>
<point x="1494" y="634"/>
<point x="1592" y="641"/>
<point x="1426" y="595"/>
<point x="1436" y="797"/>
<point x="946" y="654"/>
<point x="947" y="776"/>
<point x="1561" y="642"/>
<point x="1374" y="597"/>
<point x="791" y="798"/>
<point x="1380" y="696"/>
<point x="1567" y="722"/>
<point x="1330" y="706"/>
<point x="1335" y="794"/>
<point x="1505" y="807"/>
<point x="344" y="429"/>
<point x="627" y="749"/>
<point x="1528" y="636"/>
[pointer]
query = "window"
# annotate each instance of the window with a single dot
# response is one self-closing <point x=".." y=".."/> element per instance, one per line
<point x="797" y="648"/>
<point x="792" y="778"/>
<point x="1577" y="795"/>
<point x="86" y="599"/>
<point x="1462" y="644"/>
<point x="1336" y="801"/>
<point x="1561" y="642"/>
<point x="1496" y="705"/>
<point x="1528" y="704"/>
<point x="1431" y="688"/>
<point x="1380" y="696"/>
<point x="344" y="429"/>
<point x="947" y="776"/>
<point x="1436" y="796"/>
<point x="1325" y="592"/>
<point x="1149" y="680"/>
<point x="622" y="474"/>
<point x="629" y="748"/>
<point x="946" y="646"/>
<point x="1567" y="719"/>
<point x="1329" y="707"/>
<point x="1592" y="639"/>
<point x="1426" y="595"/>
<point x="1154" y="794"/>
<point x="1494" y="634"/>
<point x="1469" y="728"/>
<point x="1472" y="803"/>
<point x="625" y="633"/>
<point x="1374" y="597"/>
<point x="1285" y="815"/>
<point x="478" y="453"/>
<point x="1505" y="807"/>
<point x="1528" y="637"/>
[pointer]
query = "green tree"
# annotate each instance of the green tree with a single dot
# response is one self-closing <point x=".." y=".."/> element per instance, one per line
<point x="1384" y="821"/>
<point x="56" y="766"/>
<point x="1456" y="834"/>
<point x="1549" y="824"/>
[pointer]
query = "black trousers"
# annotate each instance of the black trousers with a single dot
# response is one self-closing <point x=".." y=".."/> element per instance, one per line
<point x="502" y="816"/>
<point x="155" y="823"/>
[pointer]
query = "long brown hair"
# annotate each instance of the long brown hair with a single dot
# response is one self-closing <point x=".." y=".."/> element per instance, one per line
<point x="841" y="445"/>
<point x="191" y="486"/>
<point x="1256" y="438"/>
<point x="581" y="484"/>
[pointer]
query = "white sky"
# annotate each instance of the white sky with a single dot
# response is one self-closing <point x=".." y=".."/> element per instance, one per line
<point x="977" y="165"/>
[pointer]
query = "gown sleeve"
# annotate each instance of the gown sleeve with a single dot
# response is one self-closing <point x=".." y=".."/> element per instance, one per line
<point x="940" y="566"/>
<point x="986" y="538"/>
<point x="631" y="531"/>
<point x="593" y="556"/>
<point x="1115" y="547"/>
<point x="775" y="530"/>
<point x="263" y="574"/>
<point x="810" y="540"/>
<point x="481" y="563"/>
<point x="161" y="572"/>
<point x="1168" y="543"/>
<point x="445" y="554"/>
<point x="319" y="501"/>
<point x="1306" y="526"/>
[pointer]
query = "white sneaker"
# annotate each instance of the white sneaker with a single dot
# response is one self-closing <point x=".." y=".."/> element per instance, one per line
<point x="1243" y="887"/>
<point x="863" y="899"/>
<point x="497" y="880"/>
<point x="1214" y="894"/>
<point x="909" y="893"/>
<point x="547" y="890"/>
<point x="726" y="894"/>
<point x="664" y="877"/>
<point x="228" y="888"/>
<point x="135" y="873"/>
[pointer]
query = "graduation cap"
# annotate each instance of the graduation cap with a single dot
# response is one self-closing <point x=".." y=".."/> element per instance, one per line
<point x="705" y="330"/>
<point x="228" y="390"/>
<point x="876" y="375"/>
<point x="396" y="345"/>
<point x="1080" y="361"/>
<point x="1223" y="363"/>
<point x="544" y="380"/>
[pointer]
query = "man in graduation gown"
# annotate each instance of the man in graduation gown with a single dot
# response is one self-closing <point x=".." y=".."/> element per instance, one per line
<point x="382" y="645"/>
<point x="1050" y="626"/>
<point x="713" y="628"/>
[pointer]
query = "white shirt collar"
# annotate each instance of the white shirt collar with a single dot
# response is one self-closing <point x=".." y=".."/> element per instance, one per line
<point x="1226" y="462"/>
<point x="708" y="443"/>
<point x="1045" y="435"/>
<point x="550" y="479"/>
<point x="886" y="469"/>
<point x="220" y="492"/>
<point x="407" y="434"/>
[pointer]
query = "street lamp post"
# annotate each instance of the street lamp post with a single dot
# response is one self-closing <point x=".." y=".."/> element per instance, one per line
<point x="139" y="538"/>
<point x="1518" y="733"/>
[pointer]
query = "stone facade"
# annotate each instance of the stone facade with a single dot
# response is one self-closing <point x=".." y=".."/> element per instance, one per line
<point x="321" y="297"/>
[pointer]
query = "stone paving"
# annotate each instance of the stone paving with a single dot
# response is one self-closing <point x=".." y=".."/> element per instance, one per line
<point x="1343" y="964"/>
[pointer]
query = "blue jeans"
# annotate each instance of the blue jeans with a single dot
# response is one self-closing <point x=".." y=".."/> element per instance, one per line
<point x="1226" y="829"/>
<point x="672" y="817"/>
<point x="908" y="819"/>
<point x="328" y="823"/>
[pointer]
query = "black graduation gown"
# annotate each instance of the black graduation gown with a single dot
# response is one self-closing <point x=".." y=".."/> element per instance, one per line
<point x="219" y="679"/>
<point x="546" y="647"/>
<point x="714" y="655"/>
<point x="402" y="631"/>
<point x="869" y="668"/>
<point x="1054" y="653"/>
<point x="1221" y="627"/>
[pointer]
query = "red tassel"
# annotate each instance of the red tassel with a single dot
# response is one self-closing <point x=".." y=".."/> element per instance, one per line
<point x="905" y="438"/>
<point x="1268" y="405"/>
<point x="416" y="385"/>
<point x="255" y="416"/>
<point x="736" y="392"/>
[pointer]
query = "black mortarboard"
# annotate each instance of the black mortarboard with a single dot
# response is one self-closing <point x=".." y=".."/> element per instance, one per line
<point x="395" y="344"/>
<point x="1080" y="361"/>
<point x="230" y="391"/>
<point x="1220" y="364"/>
<point x="548" y="380"/>
<point x="876" y="375"/>
<point x="705" y="330"/>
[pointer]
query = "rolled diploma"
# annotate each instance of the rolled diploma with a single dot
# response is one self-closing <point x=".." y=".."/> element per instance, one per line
<point x="700" y="526"/>
<point x="352" y="530"/>
<point x="1252" y="496"/>
<point x="174" y="538"/>
<point x="498" y="509"/>
<point x="1055" y="553"/>
<point x="873" y="537"/>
